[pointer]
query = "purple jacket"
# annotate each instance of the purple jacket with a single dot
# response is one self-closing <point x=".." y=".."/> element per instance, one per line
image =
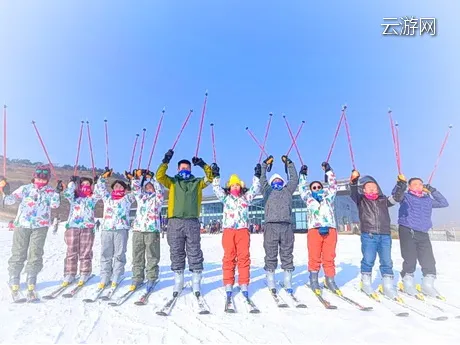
<point x="415" y="212"/>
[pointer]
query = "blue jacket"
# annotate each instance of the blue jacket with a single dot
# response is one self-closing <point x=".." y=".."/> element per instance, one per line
<point x="415" y="212"/>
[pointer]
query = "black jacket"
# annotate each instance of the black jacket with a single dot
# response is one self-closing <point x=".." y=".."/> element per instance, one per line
<point x="374" y="216"/>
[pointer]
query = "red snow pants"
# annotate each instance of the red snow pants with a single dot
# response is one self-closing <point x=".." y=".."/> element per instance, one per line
<point x="79" y="248"/>
<point x="321" y="250"/>
<point x="236" y="252"/>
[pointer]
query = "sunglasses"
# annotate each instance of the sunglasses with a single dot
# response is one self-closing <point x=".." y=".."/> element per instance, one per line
<point x="39" y="171"/>
<point x="316" y="188"/>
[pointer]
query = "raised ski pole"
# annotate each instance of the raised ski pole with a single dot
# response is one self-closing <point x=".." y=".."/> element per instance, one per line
<point x="349" y="137"/>
<point x="395" y="143"/>
<point x="91" y="150"/>
<point x="293" y="139"/>
<point x="134" y="152"/>
<point x="156" y="138"/>
<point x="335" y="135"/>
<point x="44" y="149"/>
<point x="266" y="135"/>
<point x="78" y="149"/>
<point x="106" y="144"/>
<point x="182" y="129"/>
<point x="256" y="141"/>
<point x="201" y="123"/>
<point x="397" y="146"/>
<point x="142" y="148"/>
<point x="4" y="140"/>
<point x="440" y="154"/>
<point x="213" y="143"/>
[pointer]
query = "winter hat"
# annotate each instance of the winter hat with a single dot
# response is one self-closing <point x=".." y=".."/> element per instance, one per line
<point x="234" y="179"/>
<point x="311" y="184"/>
<point x="43" y="172"/>
<point x="274" y="177"/>
<point x="150" y="183"/>
<point x="120" y="182"/>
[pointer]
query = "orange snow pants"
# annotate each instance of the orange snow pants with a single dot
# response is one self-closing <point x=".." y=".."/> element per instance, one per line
<point x="321" y="250"/>
<point x="236" y="252"/>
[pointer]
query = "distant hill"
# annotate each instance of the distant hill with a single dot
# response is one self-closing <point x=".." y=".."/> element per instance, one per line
<point x="20" y="172"/>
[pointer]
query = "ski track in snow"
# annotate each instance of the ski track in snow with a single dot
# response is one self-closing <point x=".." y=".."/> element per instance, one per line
<point x="73" y="321"/>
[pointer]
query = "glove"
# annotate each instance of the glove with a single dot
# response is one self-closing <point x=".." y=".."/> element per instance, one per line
<point x="168" y="156"/>
<point x="107" y="173"/>
<point x="326" y="167"/>
<point x="74" y="179"/>
<point x="7" y="189"/>
<point x="258" y="170"/>
<point x="269" y="160"/>
<point x="2" y="182"/>
<point x="128" y="175"/>
<point x="303" y="170"/>
<point x="427" y="187"/>
<point x="198" y="161"/>
<point x="354" y="176"/>
<point x="59" y="186"/>
<point x="401" y="178"/>
<point x="286" y="159"/>
<point x="215" y="170"/>
<point x="147" y="173"/>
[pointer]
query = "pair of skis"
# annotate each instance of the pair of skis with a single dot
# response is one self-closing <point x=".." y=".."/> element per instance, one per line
<point x="230" y="303"/>
<point x="328" y="305"/>
<point x="203" y="309"/>
<point x="18" y="297"/>
<point x="62" y="288"/>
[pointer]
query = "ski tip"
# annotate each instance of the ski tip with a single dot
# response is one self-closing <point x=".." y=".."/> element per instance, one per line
<point x="402" y="314"/>
<point x="161" y="313"/>
<point x="205" y="312"/>
<point x="440" y="318"/>
<point x="301" y="306"/>
<point x="254" y="311"/>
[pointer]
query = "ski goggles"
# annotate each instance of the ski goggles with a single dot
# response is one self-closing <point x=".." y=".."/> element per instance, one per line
<point x="42" y="173"/>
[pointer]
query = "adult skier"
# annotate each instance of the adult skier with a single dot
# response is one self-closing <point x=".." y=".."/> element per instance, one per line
<point x="115" y="228"/>
<point x="278" y="232"/>
<point x="373" y="208"/>
<point x="322" y="231"/>
<point x="31" y="225"/>
<point x="146" y="228"/>
<point x="79" y="234"/>
<point x="414" y="223"/>
<point x="236" y="199"/>
<point x="184" y="206"/>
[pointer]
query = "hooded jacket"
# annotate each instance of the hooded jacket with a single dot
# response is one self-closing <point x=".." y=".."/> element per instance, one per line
<point x="319" y="214"/>
<point x="81" y="213"/>
<point x="148" y="214"/>
<point x="374" y="215"/>
<point x="236" y="208"/>
<point x="278" y="203"/>
<point x="34" y="211"/>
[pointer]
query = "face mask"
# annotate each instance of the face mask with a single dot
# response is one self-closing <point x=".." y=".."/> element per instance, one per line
<point x="185" y="174"/>
<point x="118" y="194"/>
<point x="149" y="193"/>
<point x="371" y="196"/>
<point x="278" y="185"/>
<point x="235" y="192"/>
<point x="419" y="194"/>
<point x="85" y="191"/>
<point x="318" y="195"/>
<point x="40" y="185"/>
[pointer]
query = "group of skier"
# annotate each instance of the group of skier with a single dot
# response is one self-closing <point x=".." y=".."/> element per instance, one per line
<point x="183" y="236"/>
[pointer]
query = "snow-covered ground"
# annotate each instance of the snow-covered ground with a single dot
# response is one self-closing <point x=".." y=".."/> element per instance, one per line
<point x="72" y="321"/>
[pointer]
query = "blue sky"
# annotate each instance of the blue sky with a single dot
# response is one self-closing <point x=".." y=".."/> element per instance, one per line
<point x="61" y="62"/>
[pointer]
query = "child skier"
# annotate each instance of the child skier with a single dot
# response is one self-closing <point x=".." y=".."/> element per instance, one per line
<point x="278" y="233"/>
<point x="414" y="223"/>
<point x="79" y="234"/>
<point x="184" y="206"/>
<point x="115" y="228"/>
<point x="32" y="223"/>
<point x="375" y="223"/>
<point x="146" y="228"/>
<point x="236" y="237"/>
<point x="322" y="231"/>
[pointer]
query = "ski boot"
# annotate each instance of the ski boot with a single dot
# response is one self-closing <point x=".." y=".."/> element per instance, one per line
<point x="31" y="282"/>
<point x="314" y="284"/>
<point x="83" y="278"/>
<point x="115" y="281"/>
<point x="229" y="290"/>
<point x="428" y="288"/>
<point x="196" y="282"/>
<point x="270" y="275"/>
<point x="332" y="286"/>
<point x="102" y="283"/>
<point x="287" y="282"/>
<point x="150" y="284"/>
<point x="178" y="282"/>
<point x="366" y="285"/>
<point x="388" y="289"/>
<point x="135" y="284"/>
<point x="407" y="286"/>
<point x="244" y="290"/>
<point x="14" y="283"/>
<point x="68" y="279"/>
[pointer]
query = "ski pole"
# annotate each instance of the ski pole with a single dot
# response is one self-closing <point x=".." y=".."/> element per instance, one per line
<point x="349" y="137"/>
<point x="142" y="149"/>
<point x="106" y="144"/>
<point x="182" y="129"/>
<point x="440" y="154"/>
<point x="395" y="143"/>
<point x="266" y="135"/>
<point x="78" y="149"/>
<point x="44" y="149"/>
<point x="213" y="143"/>
<point x="256" y="141"/>
<point x="4" y="140"/>
<point x="336" y="135"/>
<point x="296" y="136"/>
<point x="156" y="138"/>
<point x="134" y="152"/>
<point x="91" y="150"/>
<point x="201" y="123"/>
<point x="293" y="139"/>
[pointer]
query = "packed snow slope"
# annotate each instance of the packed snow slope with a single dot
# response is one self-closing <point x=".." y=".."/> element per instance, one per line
<point x="72" y="321"/>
